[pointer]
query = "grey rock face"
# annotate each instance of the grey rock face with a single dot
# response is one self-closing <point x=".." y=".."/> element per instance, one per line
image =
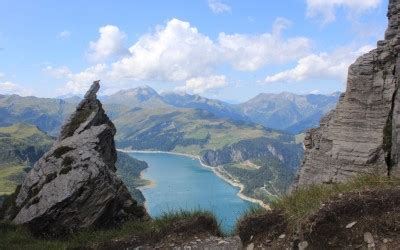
<point x="362" y="135"/>
<point x="74" y="185"/>
<point x="279" y="150"/>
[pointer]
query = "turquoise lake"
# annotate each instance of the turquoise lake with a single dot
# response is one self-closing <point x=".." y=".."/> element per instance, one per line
<point x="182" y="183"/>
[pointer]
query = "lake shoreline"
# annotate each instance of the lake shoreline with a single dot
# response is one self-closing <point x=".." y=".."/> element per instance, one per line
<point x="213" y="169"/>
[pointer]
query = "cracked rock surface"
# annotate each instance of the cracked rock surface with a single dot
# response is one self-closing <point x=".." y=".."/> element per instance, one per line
<point x="362" y="135"/>
<point x="74" y="185"/>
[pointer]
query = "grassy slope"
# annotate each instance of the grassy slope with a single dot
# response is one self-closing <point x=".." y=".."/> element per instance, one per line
<point x="188" y="131"/>
<point x="20" y="146"/>
<point x="16" y="237"/>
<point x="48" y="114"/>
<point x="303" y="202"/>
<point x="334" y="216"/>
<point x="306" y="200"/>
<point x="194" y="132"/>
<point x="9" y="178"/>
<point x="25" y="134"/>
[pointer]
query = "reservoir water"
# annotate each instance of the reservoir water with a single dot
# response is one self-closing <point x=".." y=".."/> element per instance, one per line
<point x="182" y="182"/>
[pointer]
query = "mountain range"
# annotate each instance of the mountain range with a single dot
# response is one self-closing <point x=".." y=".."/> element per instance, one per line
<point x="285" y="111"/>
<point x="289" y="112"/>
<point x="252" y="142"/>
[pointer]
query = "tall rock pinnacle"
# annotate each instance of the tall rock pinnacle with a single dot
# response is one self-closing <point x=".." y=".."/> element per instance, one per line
<point x="362" y="135"/>
<point x="74" y="185"/>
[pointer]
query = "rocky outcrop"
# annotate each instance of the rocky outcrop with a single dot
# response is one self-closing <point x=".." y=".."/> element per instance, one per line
<point x="282" y="151"/>
<point x="362" y="135"/>
<point x="74" y="185"/>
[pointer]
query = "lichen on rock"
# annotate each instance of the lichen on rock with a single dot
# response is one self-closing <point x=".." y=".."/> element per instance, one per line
<point x="74" y="185"/>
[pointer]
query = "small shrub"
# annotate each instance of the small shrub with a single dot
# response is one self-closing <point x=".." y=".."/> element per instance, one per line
<point x="67" y="161"/>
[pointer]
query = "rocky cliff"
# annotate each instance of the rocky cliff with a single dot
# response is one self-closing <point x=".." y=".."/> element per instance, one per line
<point x="74" y="185"/>
<point x="362" y="135"/>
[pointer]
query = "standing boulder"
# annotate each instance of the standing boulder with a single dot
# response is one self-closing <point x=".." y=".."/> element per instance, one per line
<point x="74" y="185"/>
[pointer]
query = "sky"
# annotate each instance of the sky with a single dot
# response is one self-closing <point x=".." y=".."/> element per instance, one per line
<point x="226" y="49"/>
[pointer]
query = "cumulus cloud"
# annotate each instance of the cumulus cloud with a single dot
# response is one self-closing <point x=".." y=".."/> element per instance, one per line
<point x="177" y="52"/>
<point x="64" y="34"/>
<point x="323" y="66"/>
<point x="201" y="85"/>
<point x="251" y="52"/>
<point x="218" y="7"/>
<point x="78" y="83"/>
<point x="173" y="53"/>
<point x="110" y="44"/>
<point x="327" y="8"/>
<point x="7" y="88"/>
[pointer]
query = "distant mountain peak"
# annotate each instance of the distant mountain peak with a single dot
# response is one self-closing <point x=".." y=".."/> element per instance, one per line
<point x="142" y="90"/>
<point x="133" y="96"/>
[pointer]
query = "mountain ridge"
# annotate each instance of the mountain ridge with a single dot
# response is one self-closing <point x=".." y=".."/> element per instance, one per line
<point x="297" y="111"/>
<point x="211" y="129"/>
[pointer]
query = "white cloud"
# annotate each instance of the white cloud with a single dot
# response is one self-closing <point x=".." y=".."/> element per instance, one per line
<point x="200" y="85"/>
<point x="78" y="83"/>
<point x="58" y="73"/>
<point x="323" y="66"/>
<point x="7" y="88"/>
<point x="327" y="8"/>
<point x="110" y="44"/>
<point x="315" y="92"/>
<point x="251" y="52"/>
<point x="64" y="34"/>
<point x="218" y="7"/>
<point x="176" y="52"/>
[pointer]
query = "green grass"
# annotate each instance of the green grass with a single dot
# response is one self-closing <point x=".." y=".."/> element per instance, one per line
<point x="254" y="209"/>
<point x="25" y="133"/>
<point x="17" y="237"/>
<point x="220" y="132"/>
<point x="298" y="205"/>
<point x="247" y="165"/>
<point x="7" y="186"/>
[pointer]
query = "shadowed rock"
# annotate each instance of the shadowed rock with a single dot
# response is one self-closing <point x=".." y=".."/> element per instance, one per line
<point x="74" y="185"/>
<point x="362" y="136"/>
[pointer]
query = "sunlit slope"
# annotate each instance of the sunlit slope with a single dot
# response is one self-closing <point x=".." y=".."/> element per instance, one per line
<point x="21" y="145"/>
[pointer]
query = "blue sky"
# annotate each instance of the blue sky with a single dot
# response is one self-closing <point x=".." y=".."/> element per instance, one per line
<point x="226" y="49"/>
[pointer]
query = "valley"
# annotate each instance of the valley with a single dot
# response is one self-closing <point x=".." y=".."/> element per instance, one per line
<point x="209" y="124"/>
<point x="182" y="183"/>
<point x="222" y="135"/>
